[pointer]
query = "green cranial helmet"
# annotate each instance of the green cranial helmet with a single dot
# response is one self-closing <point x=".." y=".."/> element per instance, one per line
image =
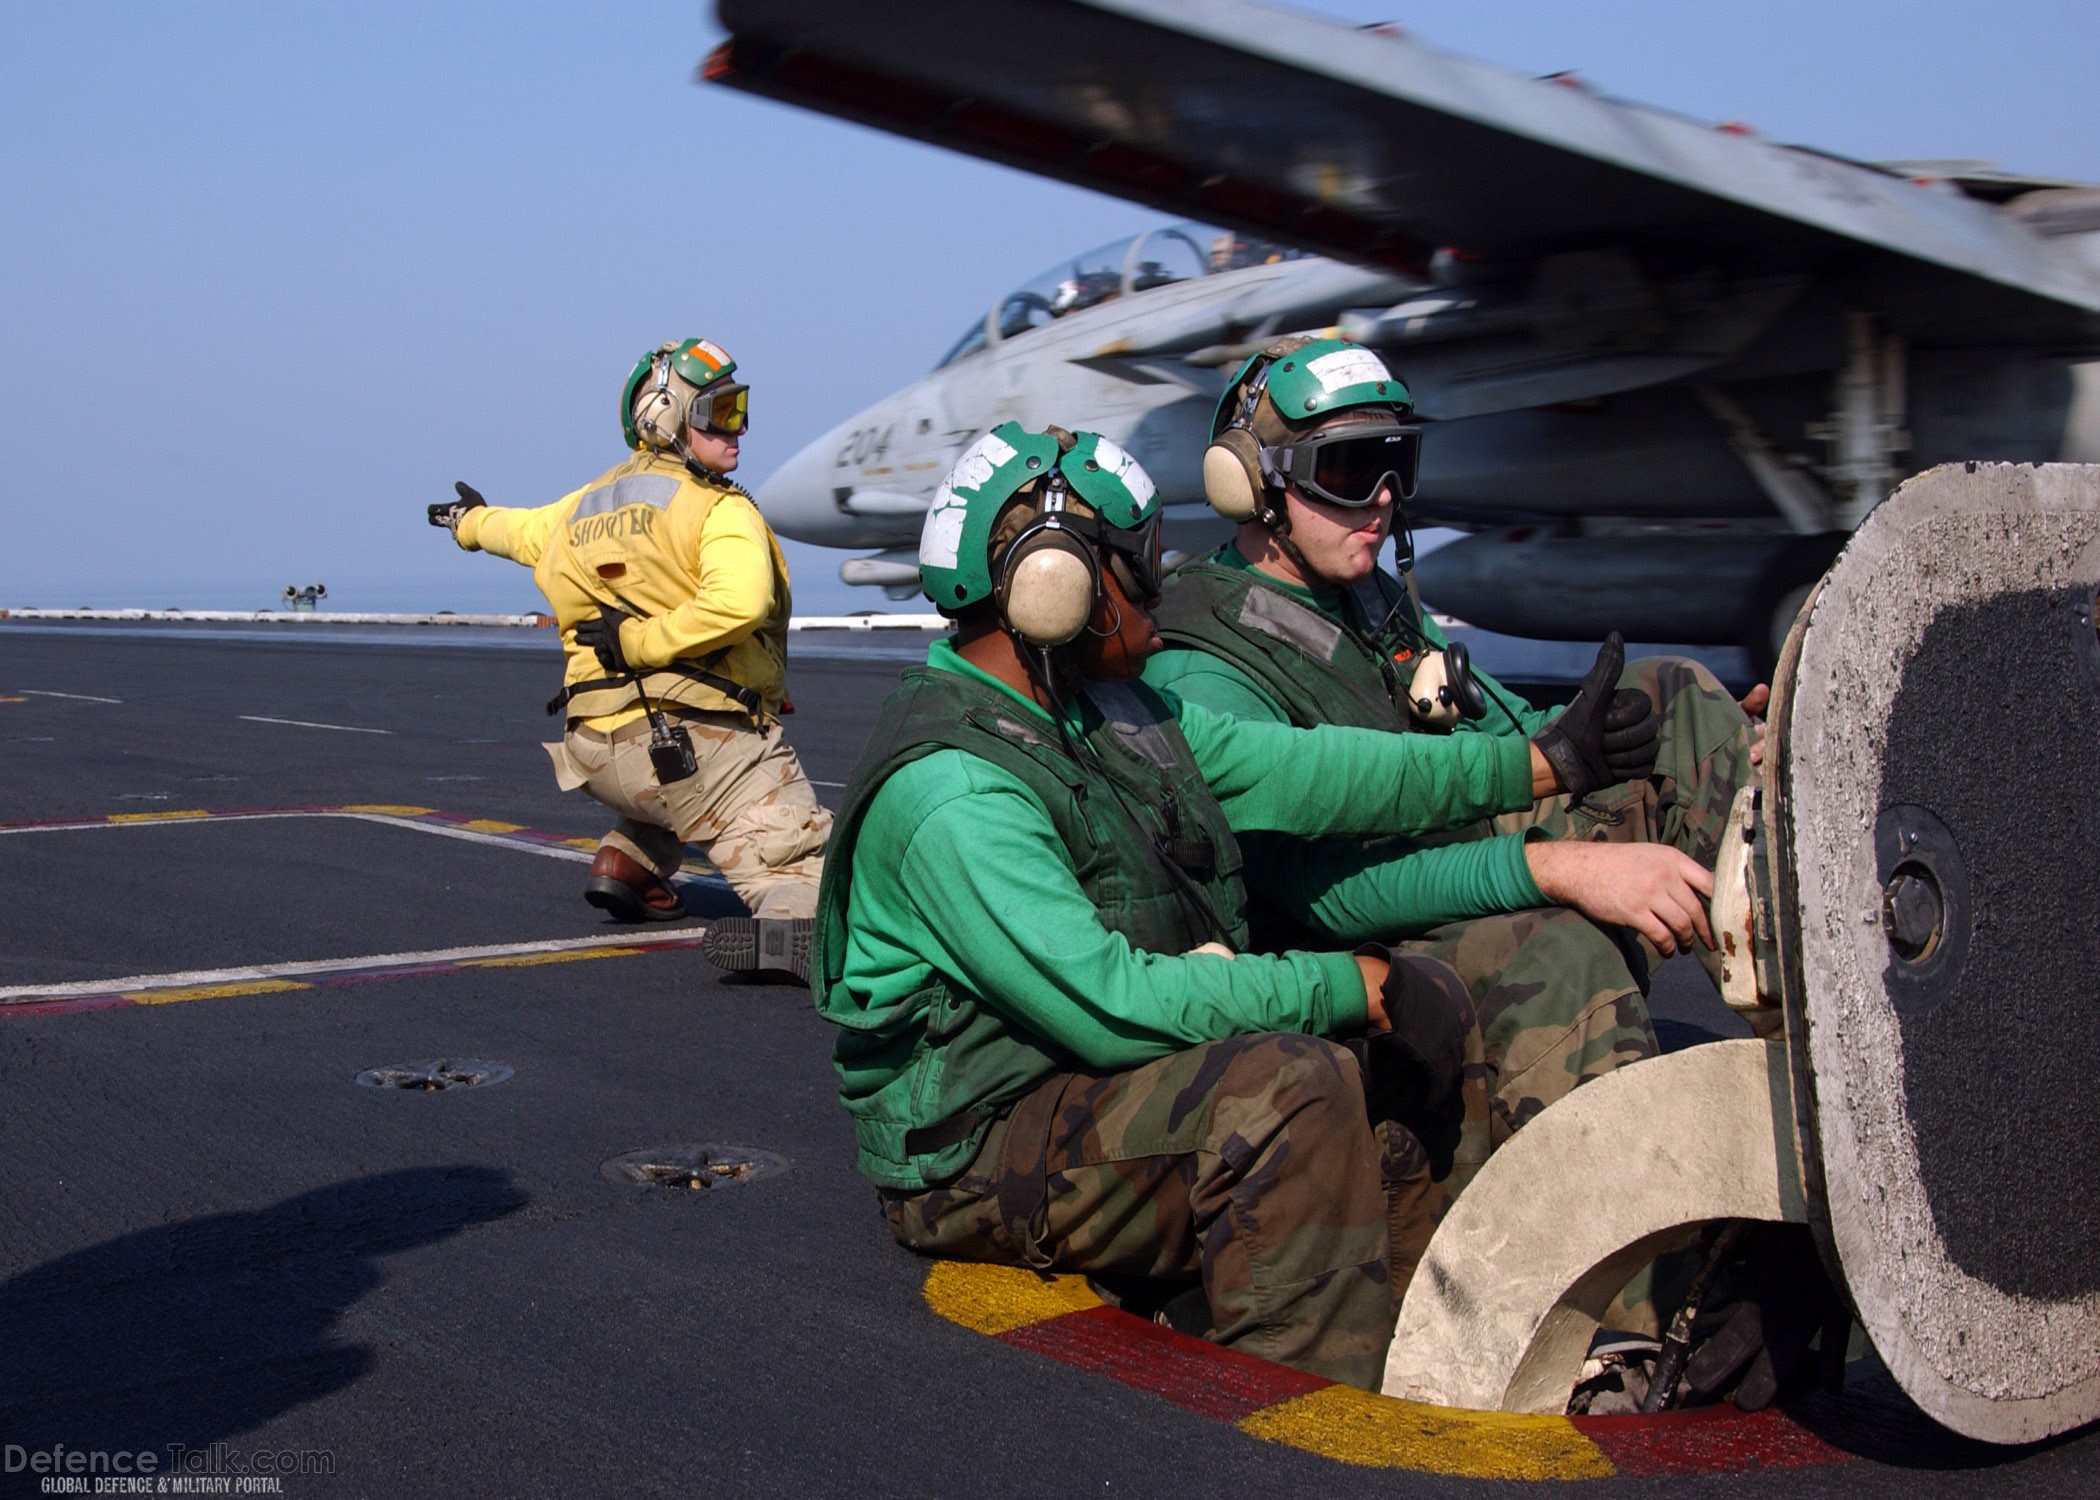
<point x="1297" y="382"/>
<point x="955" y="564"/>
<point x="678" y="369"/>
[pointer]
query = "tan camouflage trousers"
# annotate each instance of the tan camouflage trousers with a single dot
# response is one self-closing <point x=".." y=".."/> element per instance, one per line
<point x="1248" y="1162"/>
<point x="750" y="809"/>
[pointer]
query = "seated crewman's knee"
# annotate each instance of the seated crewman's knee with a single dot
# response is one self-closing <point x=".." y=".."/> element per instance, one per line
<point x="1677" y="684"/>
<point x="1260" y="1084"/>
<point x="1288" y="1127"/>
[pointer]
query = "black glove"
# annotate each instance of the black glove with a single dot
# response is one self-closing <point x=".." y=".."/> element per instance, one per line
<point x="448" y="515"/>
<point x="1750" y="1351"/>
<point x="1632" y="734"/>
<point x="1604" y="736"/>
<point x="602" y="635"/>
<point x="1412" y="1072"/>
<point x="1422" y="1057"/>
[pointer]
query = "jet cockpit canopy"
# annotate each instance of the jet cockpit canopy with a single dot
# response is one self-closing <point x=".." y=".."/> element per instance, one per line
<point x="1123" y="268"/>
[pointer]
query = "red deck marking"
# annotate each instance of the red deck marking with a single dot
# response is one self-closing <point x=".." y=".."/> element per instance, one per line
<point x="68" y="1007"/>
<point x="1192" y="1374"/>
<point x="1711" y="1440"/>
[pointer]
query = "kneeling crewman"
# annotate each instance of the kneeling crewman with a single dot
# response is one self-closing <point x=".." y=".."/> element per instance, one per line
<point x="672" y="600"/>
<point x="1054" y="1047"/>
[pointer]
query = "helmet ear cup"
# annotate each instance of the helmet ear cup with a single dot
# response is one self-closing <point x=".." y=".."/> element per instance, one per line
<point x="660" y="406"/>
<point x="1048" y="584"/>
<point x="1232" y="479"/>
<point x="659" y="418"/>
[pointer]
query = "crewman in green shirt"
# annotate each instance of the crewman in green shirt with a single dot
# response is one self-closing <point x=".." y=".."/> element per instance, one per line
<point x="1547" y="911"/>
<point x="1055" y="1045"/>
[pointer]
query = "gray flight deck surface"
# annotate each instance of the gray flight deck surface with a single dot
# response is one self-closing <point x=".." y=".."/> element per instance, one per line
<point x="211" y="1233"/>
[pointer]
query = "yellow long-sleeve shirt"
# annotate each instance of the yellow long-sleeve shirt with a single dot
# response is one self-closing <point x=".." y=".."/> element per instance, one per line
<point x="692" y="559"/>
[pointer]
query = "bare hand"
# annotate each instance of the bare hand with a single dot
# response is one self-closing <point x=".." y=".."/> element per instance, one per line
<point x="1217" y="949"/>
<point x="1657" y="890"/>
<point x="1753" y="703"/>
<point x="1374" y="972"/>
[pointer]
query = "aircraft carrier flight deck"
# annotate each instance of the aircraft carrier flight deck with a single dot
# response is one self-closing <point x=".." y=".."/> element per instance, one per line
<point x="339" y="1125"/>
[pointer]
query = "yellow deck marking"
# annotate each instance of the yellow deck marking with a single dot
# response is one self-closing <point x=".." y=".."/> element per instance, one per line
<point x="586" y="845"/>
<point x="386" y="807"/>
<point x="13" y="700"/>
<point x="212" y="991"/>
<point x="998" y="1299"/>
<point x="1337" y="1421"/>
<point x="159" y="817"/>
<point x="1382" y="1432"/>
<point x="490" y="825"/>
<point x="530" y="960"/>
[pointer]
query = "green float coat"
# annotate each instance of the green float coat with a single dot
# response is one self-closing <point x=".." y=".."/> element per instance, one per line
<point x="1255" y="648"/>
<point x="983" y="924"/>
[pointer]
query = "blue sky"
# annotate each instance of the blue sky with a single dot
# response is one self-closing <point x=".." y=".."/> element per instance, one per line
<point x="273" y="275"/>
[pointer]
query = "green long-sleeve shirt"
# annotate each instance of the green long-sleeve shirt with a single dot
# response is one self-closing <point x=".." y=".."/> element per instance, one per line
<point x="1355" y="891"/>
<point x="959" y="872"/>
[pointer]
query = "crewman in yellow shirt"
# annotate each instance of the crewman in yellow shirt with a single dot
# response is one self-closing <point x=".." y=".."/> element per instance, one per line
<point x="672" y="600"/>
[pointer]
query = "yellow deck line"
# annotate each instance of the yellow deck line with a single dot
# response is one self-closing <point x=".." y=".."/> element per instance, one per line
<point x="212" y="991"/>
<point x="533" y="960"/>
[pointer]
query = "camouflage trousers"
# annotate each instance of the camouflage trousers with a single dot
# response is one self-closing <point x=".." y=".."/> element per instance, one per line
<point x="750" y="809"/>
<point x="1556" y="1006"/>
<point x="1249" y="1162"/>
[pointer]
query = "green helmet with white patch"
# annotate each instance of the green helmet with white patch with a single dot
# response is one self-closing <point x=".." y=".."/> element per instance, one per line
<point x="1273" y="428"/>
<point x="955" y="545"/>
<point x="1303" y="381"/>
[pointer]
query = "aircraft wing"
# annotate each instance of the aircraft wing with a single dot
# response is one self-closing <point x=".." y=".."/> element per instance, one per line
<point x="1370" y="147"/>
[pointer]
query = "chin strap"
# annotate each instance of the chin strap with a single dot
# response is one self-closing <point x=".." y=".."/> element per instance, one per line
<point x="1281" y="532"/>
<point x="700" y="471"/>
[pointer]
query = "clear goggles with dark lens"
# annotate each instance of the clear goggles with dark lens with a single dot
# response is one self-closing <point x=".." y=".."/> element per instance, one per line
<point x="1350" y="466"/>
<point x="722" y="408"/>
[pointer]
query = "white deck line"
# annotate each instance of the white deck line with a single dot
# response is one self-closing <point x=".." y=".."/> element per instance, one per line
<point x="23" y="994"/>
<point x="310" y="724"/>
<point x="418" y="825"/>
<point x="415" y="825"/>
<point x="869" y="622"/>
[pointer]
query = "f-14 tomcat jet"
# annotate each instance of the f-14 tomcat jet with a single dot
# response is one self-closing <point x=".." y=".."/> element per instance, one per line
<point x="1668" y="365"/>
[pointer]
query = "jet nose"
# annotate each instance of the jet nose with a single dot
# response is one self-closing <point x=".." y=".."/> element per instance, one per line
<point x="797" y="499"/>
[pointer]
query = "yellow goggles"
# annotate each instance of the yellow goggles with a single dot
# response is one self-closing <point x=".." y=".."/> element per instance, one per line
<point x="724" y="409"/>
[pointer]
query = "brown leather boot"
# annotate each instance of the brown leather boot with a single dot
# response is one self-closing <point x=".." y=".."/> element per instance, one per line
<point x="629" y="891"/>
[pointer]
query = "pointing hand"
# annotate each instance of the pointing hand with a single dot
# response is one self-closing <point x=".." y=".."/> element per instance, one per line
<point x="448" y="514"/>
